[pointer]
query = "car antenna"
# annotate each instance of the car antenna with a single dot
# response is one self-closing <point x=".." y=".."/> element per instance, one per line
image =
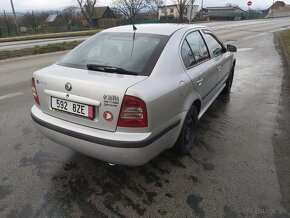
<point x="134" y="29"/>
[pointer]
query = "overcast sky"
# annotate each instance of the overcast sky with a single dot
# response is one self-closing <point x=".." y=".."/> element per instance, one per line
<point x="28" y="5"/>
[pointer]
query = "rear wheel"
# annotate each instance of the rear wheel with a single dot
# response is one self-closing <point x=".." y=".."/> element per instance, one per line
<point x="188" y="132"/>
<point x="229" y="82"/>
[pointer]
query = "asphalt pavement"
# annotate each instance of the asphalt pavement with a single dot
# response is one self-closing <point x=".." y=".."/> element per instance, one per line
<point x="236" y="169"/>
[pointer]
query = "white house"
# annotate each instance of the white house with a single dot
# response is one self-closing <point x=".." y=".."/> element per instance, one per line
<point x="171" y="12"/>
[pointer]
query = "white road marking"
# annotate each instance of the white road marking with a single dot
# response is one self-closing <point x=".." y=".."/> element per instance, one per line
<point x="244" y="49"/>
<point x="254" y="36"/>
<point x="11" y="95"/>
<point x="228" y="42"/>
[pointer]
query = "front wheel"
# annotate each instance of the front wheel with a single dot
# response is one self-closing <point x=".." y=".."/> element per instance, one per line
<point x="229" y="82"/>
<point x="188" y="132"/>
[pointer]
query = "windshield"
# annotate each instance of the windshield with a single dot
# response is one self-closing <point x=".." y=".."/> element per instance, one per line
<point x="132" y="52"/>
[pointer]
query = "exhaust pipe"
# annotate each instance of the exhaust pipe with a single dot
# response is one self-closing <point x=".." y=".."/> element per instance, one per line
<point x="111" y="164"/>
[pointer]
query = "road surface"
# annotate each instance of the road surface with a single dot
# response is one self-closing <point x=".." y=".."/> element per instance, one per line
<point x="238" y="167"/>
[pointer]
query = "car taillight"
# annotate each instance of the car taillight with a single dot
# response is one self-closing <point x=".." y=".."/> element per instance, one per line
<point x="34" y="92"/>
<point x="133" y="113"/>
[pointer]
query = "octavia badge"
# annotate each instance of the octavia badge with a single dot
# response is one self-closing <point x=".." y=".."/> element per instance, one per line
<point x="68" y="86"/>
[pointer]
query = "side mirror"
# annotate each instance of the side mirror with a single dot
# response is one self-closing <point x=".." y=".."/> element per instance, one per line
<point x="232" y="48"/>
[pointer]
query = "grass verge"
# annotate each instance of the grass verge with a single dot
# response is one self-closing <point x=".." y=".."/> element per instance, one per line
<point x="281" y="135"/>
<point x="284" y="38"/>
<point x="4" y="54"/>
<point x="50" y="35"/>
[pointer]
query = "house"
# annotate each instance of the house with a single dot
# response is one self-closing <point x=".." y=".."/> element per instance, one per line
<point x="51" y="18"/>
<point x="51" y="22"/>
<point x="201" y="16"/>
<point x="146" y="15"/>
<point x="225" y="13"/>
<point x="279" y="9"/>
<point x="104" y="17"/>
<point x="172" y="12"/>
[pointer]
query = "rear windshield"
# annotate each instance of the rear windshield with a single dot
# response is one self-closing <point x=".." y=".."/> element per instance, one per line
<point x="133" y="52"/>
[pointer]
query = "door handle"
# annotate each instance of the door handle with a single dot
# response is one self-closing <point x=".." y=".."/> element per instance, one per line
<point x="199" y="82"/>
<point x="219" y="68"/>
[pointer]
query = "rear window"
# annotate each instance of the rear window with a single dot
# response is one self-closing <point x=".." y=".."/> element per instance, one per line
<point x="136" y="53"/>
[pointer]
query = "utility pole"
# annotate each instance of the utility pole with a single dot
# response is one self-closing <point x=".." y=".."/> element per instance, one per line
<point x="191" y="8"/>
<point x="7" y="25"/>
<point x="14" y="17"/>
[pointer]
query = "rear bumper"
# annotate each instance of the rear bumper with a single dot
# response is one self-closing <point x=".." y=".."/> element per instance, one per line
<point x="115" y="147"/>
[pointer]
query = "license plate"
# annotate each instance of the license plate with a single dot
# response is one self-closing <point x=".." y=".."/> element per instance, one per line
<point x="72" y="107"/>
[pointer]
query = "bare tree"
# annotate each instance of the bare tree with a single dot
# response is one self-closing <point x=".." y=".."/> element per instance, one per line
<point x="130" y="8"/>
<point x="232" y="5"/>
<point x="88" y="9"/>
<point x="33" y="20"/>
<point x="68" y="13"/>
<point x="154" y="5"/>
<point x="181" y="6"/>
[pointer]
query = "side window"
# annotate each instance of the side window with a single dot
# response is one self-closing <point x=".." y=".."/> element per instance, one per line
<point x="215" y="47"/>
<point x="197" y="46"/>
<point x="187" y="55"/>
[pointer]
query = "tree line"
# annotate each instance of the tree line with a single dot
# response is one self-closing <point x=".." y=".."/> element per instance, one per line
<point x="69" y="18"/>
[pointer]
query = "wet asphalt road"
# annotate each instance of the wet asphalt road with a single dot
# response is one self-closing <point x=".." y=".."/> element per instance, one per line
<point x="233" y="171"/>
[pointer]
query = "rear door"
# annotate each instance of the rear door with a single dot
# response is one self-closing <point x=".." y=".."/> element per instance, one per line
<point x="198" y="64"/>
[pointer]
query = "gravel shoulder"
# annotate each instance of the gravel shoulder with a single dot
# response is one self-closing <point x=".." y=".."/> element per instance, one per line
<point x="281" y="136"/>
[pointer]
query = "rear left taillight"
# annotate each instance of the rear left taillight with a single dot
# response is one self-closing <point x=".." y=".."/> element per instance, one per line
<point x="34" y="93"/>
<point x="133" y="113"/>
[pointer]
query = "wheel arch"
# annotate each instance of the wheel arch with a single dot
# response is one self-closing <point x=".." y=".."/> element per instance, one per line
<point x="197" y="105"/>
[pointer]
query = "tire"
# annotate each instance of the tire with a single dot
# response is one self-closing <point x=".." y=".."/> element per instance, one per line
<point x="229" y="82"/>
<point x="188" y="132"/>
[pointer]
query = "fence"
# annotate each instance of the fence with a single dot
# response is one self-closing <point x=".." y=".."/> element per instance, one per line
<point x="143" y="21"/>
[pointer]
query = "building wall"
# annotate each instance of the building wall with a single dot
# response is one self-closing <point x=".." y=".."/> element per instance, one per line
<point x="279" y="9"/>
<point x="171" y="11"/>
<point x="226" y="14"/>
<point x="108" y="22"/>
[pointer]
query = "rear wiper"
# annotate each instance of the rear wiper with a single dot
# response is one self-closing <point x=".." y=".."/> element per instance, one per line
<point x="109" y="69"/>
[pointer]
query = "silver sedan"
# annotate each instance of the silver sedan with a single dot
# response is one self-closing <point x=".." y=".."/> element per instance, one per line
<point x="128" y="93"/>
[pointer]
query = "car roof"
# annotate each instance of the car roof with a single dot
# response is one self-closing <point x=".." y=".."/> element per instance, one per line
<point x="161" y="29"/>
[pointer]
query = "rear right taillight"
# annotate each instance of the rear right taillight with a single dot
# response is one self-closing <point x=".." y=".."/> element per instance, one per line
<point x="133" y="113"/>
<point x="34" y="93"/>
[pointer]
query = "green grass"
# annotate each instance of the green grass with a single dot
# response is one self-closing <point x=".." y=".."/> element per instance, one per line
<point x="4" y="54"/>
<point x="285" y="45"/>
<point x="50" y="35"/>
<point x="285" y="36"/>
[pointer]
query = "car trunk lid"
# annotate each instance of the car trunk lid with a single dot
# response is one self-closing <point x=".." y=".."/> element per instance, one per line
<point x="102" y="91"/>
